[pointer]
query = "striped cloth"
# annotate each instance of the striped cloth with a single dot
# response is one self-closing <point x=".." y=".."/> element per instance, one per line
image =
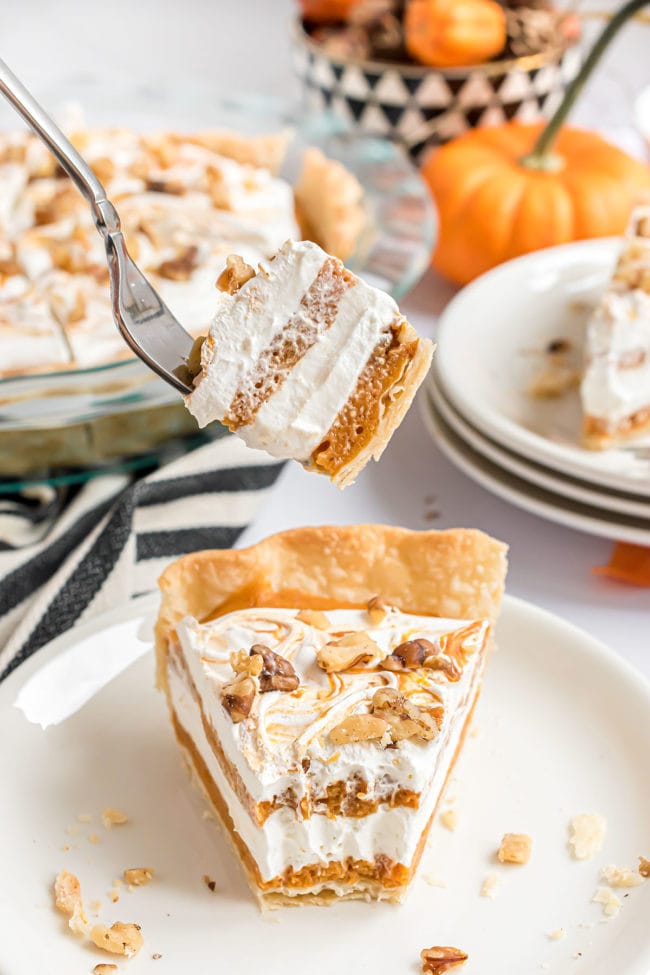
<point x="68" y="554"/>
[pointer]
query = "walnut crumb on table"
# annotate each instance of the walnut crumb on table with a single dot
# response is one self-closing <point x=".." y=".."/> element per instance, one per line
<point x="515" y="848"/>
<point x="587" y="835"/>
<point x="441" y="959"/>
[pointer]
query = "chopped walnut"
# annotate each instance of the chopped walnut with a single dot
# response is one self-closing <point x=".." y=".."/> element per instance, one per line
<point x="277" y="673"/>
<point x="515" y="848"/>
<point x="138" y="876"/>
<point x="358" y="727"/>
<point x="180" y="268"/>
<point x="378" y="610"/>
<point x="113" y="817"/>
<point x="67" y="898"/>
<point x="644" y="867"/>
<point x="314" y="617"/>
<point x="235" y="274"/>
<point x="609" y="900"/>
<point x="406" y="720"/>
<point x="237" y="698"/>
<point x="587" y="835"/>
<point x="410" y="655"/>
<point x="120" y="939"/>
<point x="104" y="969"/>
<point x="621" y="876"/>
<point x="243" y="663"/>
<point x="438" y="960"/>
<point x="349" y="651"/>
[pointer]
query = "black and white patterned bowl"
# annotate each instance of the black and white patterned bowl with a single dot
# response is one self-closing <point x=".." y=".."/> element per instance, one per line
<point x="420" y="106"/>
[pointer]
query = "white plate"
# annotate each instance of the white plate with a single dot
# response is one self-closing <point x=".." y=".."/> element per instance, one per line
<point x="563" y="729"/>
<point x="542" y="477"/>
<point x="523" y="494"/>
<point x="489" y="343"/>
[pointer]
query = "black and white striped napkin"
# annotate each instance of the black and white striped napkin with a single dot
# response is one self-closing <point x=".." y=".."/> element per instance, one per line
<point x="68" y="554"/>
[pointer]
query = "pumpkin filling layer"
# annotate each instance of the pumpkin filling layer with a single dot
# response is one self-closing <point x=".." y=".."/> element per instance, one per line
<point x="324" y="739"/>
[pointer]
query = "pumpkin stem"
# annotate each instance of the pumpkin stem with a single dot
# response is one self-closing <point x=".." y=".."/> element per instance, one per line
<point x="541" y="156"/>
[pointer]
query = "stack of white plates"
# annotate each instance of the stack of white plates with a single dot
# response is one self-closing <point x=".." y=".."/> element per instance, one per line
<point x="478" y="408"/>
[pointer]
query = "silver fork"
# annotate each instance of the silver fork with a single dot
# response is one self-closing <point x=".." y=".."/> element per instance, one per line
<point x="145" y="322"/>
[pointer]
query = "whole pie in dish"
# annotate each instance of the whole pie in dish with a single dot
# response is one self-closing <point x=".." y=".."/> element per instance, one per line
<point x="186" y="201"/>
<point x="306" y="361"/>
<point x="320" y="684"/>
<point x="616" y="383"/>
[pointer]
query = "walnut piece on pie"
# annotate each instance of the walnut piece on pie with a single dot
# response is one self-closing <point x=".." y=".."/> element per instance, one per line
<point x="235" y="274"/>
<point x="351" y="650"/>
<point x="587" y="835"/>
<point x="120" y="939"/>
<point x="441" y="959"/>
<point x="515" y="848"/>
<point x="237" y="698"/>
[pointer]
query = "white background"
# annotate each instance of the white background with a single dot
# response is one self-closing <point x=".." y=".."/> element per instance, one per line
<point x="242" y="45"/>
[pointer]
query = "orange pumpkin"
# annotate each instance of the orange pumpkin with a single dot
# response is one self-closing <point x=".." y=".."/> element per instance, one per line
<point x="327" y="11"/>
<point x="449" y="33"/>
<point x="493" y="204"/>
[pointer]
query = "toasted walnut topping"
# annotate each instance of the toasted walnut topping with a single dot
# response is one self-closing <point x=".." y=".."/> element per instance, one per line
<point x="587" y="835"/>
<point x="314" y="617"/>
<point x="119" y="939"/>
<point x="644" y="867"/>
<point x="67" y="898"/>
<point x="410" y="655"/>
<point x="180" y="268"/>
<point x="237" y="698"/>
<point x="621" y="876"/>
<point x="104" y="969"/>
<point x="277" y="673"/>
<point x="406" y="720"/>
<point x="235" y="274"/>
<point x="138" y="876"/>
<point x="113" y="817"/>
<point x="436" y="961"/>
<point x="378" y="610"/>
<point x="358" y="727"/>
<point x="350" y="650"/>
<point x="515" y="848"/>
<point x="243" y="663"/>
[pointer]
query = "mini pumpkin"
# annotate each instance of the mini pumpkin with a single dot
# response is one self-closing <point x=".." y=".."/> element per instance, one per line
<point x="449" y="33"/>
<point x="503" y="191"/>
<point x="327" y="11"/>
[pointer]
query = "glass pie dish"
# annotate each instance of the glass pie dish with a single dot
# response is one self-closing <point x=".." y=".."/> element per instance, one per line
<point x="66" y="425"/>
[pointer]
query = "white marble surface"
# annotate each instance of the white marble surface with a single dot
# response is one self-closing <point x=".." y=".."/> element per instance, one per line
<point x="243" y="45"/>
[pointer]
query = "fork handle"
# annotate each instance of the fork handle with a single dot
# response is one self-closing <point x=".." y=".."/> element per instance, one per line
<point x="104" y="213"/>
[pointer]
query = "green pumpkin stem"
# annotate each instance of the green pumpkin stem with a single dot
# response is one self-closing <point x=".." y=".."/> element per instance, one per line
<point x="541" y="156"/>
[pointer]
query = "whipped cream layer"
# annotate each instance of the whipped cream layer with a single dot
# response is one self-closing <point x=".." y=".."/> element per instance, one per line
<point x="301" y="409"/>
<point x="269" y="749"/>
<point x="616" y="383"/>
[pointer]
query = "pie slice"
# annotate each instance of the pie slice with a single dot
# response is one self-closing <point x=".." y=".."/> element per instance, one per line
<point x="320" y="684"/>
<point x="615" y="388"/>
<point x="306" y="361"/>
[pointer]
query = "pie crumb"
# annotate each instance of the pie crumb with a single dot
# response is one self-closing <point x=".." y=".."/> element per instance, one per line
<point x="449" y="818"/>
<point x="621" y="876"/>
<point x="587" y="835"/>
<point x="84" y="818"/>
<point x="67" y="898"/>
<point x="609" y="900"/>
<point x="644" y="867"/>
<point x="113" y="817"/>
<point x="515" y="848"/>
<point x="104" y="969"/>
<point x="490" y="885"/>
<point x="138" y="876"/>
<point x="433" y="881"/>
<point x="556" y="935"/>
<point x="156" y="955"/>
<point x="93" y="838"/>
<point x="209" y="883"/>
<point x="120" y="939"/>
